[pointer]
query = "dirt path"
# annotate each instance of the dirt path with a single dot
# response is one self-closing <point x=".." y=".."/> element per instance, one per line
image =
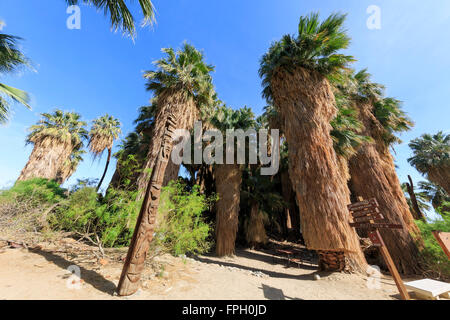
<point x="41" y="273"/>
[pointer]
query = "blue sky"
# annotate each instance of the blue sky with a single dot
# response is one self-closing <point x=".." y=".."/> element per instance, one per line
<point x="94" y="71"/>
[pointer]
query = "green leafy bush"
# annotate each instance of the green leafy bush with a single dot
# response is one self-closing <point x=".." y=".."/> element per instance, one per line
<point x="432" y="253"/>
<point x="35" y="192"/>
<point x="112" y="218"/>
<point x="25" y="206"/>
<point x="181" y="228"/>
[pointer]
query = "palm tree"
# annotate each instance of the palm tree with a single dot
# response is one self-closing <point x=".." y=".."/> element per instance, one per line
<point x="181" y="83"/>
<point x="294" y="73"/>
<point x="120" y="15"/>
<point x="432" y="158"/>
<point x="55" y="138"/>
<point x="434" y="194"/>
<point x="182" y="86"/>
<point x="11" y="58"/>
<point x="372" y="168"/>
<point x="228" y="179"/>
<point x="104" y="131"/>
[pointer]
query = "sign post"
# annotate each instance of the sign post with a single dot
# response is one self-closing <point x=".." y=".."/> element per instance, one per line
<point x="366" y="215"/>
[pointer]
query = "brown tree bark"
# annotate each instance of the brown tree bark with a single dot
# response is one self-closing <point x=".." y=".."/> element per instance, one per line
<point x="255" y="232"/>
<point x="188" y="114"/>
<point x="291" y="213"/>
<point x="228" y="186"/>
<point x="307" y="105"/>
<point x="106" y="169"/>
<point x="441" y="177"/>
<point x="373" y="175"/>
<point x="145" y="225"/>
<point x="418" y="215"/>
<point x="46" y="160"/>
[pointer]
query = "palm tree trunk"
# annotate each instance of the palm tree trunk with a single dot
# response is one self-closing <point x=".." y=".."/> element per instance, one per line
<point x="106" y="169"/>
<point x="307" y="105"/>
<point x="441" y="177"/>
<point x="255" y="232"/>
<point x="228" y="186"/>
<point x="418" y="215"/>
<point x="373" y="176"/>
<point x="186" y="121"/>
<point x="291" y="214"/>
<point x="46" y="160"/>
<point x="145" y="225"/>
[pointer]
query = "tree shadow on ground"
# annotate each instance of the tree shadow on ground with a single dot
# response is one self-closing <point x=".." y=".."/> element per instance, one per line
<point x="273" y="258"/>
<point x="272" y="293"/>
<point x="272" y="274"/>
<point x="89" y="276"/>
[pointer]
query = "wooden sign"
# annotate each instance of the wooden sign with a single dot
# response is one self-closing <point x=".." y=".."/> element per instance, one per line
<point x="366" y="215"/>
<point x="376" y="218"/>
<point x="443" y="238"/>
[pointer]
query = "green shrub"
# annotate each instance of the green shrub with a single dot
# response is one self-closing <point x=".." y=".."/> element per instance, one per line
<point x="35" y="192"/>
<point x="432" y="253"/>
<point x="112" y="218"/>
<point x="24" y="207"/>
<point x="181" y="228"/>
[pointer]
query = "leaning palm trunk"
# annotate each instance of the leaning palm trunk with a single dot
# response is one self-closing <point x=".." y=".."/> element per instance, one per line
<point x="106" y="169"/>
<point x="46" y="160"/>
<point x="228" y="183"/>
<point x="255" y="232"/>
<point x="306" y="103"/>
<point x="373" y="176"/>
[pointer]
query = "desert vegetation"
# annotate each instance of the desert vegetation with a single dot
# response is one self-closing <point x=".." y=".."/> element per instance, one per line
<point x="337" y="132"/>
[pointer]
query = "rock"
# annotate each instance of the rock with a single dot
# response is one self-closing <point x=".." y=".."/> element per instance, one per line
<point x="316" y="277"/>
<point x="103" y="262"/>
<point x="165" y="275"/>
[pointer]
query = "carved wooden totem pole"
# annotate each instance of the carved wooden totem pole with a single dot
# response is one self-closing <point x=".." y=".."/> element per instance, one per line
<point x="145" y="225"/>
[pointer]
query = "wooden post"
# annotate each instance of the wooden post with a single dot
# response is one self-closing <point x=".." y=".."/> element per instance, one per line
<point x="143" y="232"/>
<point x="394" y="272"/>
<point x="366" y="215"/>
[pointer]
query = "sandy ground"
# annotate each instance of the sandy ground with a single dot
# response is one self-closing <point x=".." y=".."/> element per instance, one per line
<point x="42" y="273"/>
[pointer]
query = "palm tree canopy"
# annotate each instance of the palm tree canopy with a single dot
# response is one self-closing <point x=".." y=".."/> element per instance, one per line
<point x="120" y="15"/>
<point x="315" y="48"/>
<point x="430" y="151"/>
<point x="185" y="72"/>
<point x="11" y="58"/>
<point x="228" y="118"/>
<point x="389" y="113"/>
<point x="366" y="90"/>
<point x="434" y="193"/>
<point x="104" y="131"/>
<point x="59" y="127"/>
<point x="146" y="117"/>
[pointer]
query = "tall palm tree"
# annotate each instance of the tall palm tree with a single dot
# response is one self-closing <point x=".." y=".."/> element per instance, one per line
<point x="11" y="58"/>
<point x="55" y="137"/>
<point x="372" y="168"/>
<point x="182" y="86"/>
<point x="294" y="73"/>
<point x="431" y="157"/>
<point x="228" y="179"/>
<point x="104" y="131"/>
<point x="119" y="13"/>
<point x="182" y="83"/>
